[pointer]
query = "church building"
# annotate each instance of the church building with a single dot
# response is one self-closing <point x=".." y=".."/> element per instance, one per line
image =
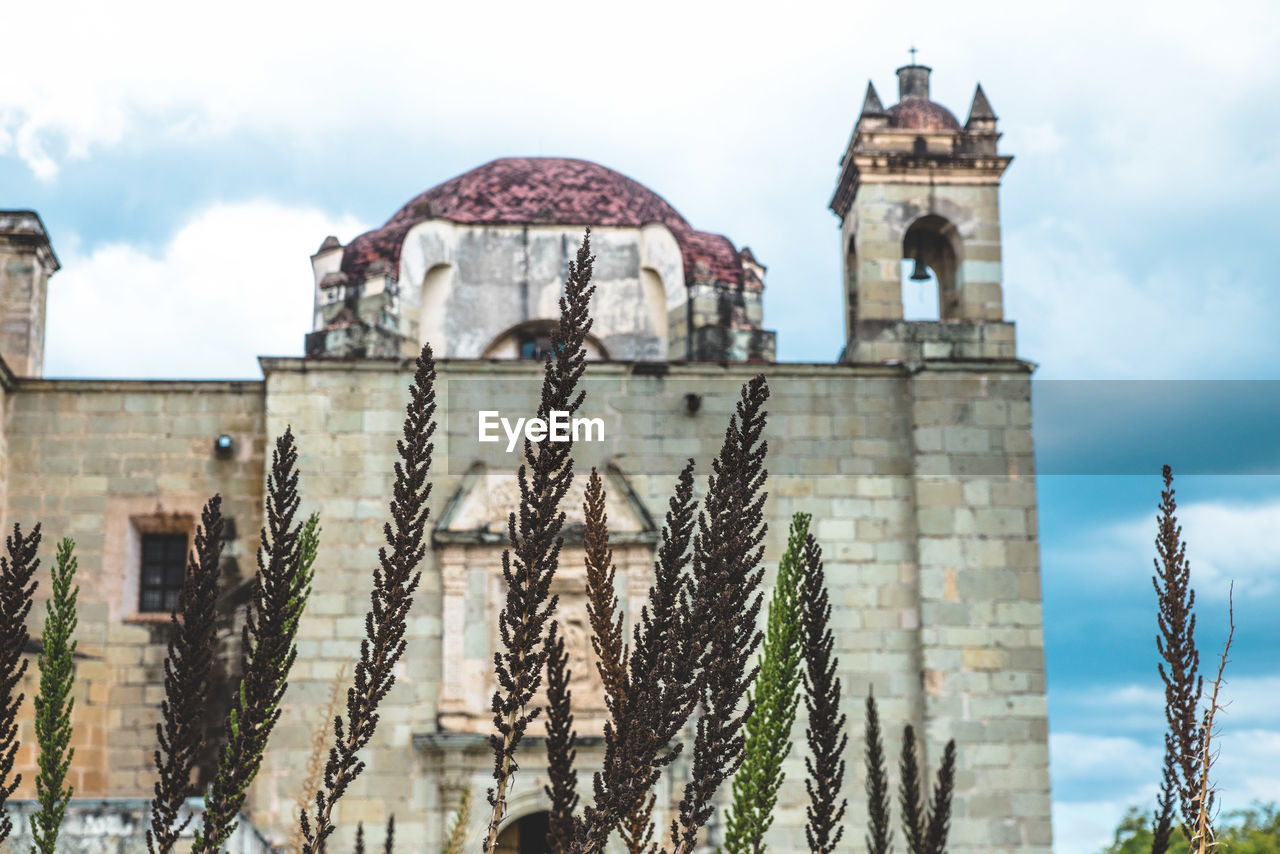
<point x="912" y="450"/>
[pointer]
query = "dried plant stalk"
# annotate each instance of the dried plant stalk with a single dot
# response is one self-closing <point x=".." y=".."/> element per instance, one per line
<point x="660" y="693"/>
<point x="529" y="564"/>
<point x="825" y="733"/>
<point x="280" y="591"/>
<point x="879" y="832"/>
<point x="1203" y="837"/>
<point x="319" y="753"/>
<point x="394" y="582"/>
<point x="389" y="840"/>
<point x="180" y="733"/>
<point x="602" y="599"/>
<point x="637" y="830"/>
<point x="939" y="820"/>
<point x="17" y="566"/>
<point x="457" y="838"/>
<point x="561" y="739"/>
<point x="1179" y="669"/>
<point x="725" y="602"/>
<point x="913" y="810"/>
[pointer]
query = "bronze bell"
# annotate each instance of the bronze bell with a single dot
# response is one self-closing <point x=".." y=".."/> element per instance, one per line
<point x="920" y="272"/>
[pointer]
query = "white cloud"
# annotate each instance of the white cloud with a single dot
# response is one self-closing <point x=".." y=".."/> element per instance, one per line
<point x="1086" y="827"/>
<point x="1247" y="770"/>
<point x="1226" y="543"/>
<point x="1082" y="315"/>
<point x="232" y="283"/>
<point x="676" y="72"/>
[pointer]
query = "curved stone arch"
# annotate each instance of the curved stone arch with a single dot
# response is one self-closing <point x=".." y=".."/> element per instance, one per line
<point x="934" y="241"/>
<point x="429" y="249"/>
<point x="533" y="800"/>
<point x="660" y="252"/>
<point x="505" y="344"/>
<point x="524" y="803"/>
<point x="433" y="299"/>
<point x="903" y="215"/>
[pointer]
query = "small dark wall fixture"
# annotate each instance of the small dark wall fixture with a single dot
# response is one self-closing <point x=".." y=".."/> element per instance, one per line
<point x="692" y="403"/>
<point x="223" y="447"/>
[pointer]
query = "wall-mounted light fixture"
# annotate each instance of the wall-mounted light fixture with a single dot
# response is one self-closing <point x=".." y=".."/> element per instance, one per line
<point x="222" y="447"/>
<point x="692" y="403"/>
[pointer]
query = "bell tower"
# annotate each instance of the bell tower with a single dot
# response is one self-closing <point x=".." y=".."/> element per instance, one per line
<point x="916" y="185"/>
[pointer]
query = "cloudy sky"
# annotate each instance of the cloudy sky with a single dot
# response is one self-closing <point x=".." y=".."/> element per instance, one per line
<point x="188" y="159"/>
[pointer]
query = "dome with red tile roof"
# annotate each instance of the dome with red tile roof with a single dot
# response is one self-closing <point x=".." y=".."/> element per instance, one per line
<point x="545" y="191"/>
<point x="921" y="114"/>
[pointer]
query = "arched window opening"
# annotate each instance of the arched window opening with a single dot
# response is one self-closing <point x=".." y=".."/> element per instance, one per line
<point x="929" y="265"/>
<point x="531" y="341"/>
<point x="525" y="835"/>
<point x="535" y="344"/>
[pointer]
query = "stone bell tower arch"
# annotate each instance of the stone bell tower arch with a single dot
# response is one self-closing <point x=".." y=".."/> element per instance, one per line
<point x="916" y="185"/>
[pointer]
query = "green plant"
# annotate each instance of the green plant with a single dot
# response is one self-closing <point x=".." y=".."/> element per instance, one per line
<point x="774" y="698"/>
<point x="54" y="703"/>
<point x="1255" y="830"/>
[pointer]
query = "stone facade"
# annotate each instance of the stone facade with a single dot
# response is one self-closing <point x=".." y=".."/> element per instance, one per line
<point x="913" y="454"/>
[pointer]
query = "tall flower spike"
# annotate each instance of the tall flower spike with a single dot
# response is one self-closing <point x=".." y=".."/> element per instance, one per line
<point x="879" y="833"/>
<point x="726" y="600"/>
<point x="280" y="591"/>
<point x="530" y="562"/>
<point x="913" y="815"/>
<point x="659" y="696"/>
<point x="17" y="566"/>
<point x="1176" y="643"/>
<point x="560" y="747"/>
<point x="939" y="819"/>
<point x="180" y="733"/>
<point x="825" y="734"/>
<point x="394" y="582"/>
<point x="389" y="841"/>
<point x="602" y="598"/>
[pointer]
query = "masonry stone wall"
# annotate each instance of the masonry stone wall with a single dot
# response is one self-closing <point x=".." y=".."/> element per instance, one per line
<point x="100" y="462"/>
<point x="921" y="488"/>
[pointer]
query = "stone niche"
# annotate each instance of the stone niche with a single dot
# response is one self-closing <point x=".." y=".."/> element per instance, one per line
<point x="469" y="542"/>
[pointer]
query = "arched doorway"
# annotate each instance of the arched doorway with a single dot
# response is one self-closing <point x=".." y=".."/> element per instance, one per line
<point x="526" y="835"/>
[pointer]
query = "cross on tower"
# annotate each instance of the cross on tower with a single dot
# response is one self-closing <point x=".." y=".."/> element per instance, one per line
<point x="913" y="52"/>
